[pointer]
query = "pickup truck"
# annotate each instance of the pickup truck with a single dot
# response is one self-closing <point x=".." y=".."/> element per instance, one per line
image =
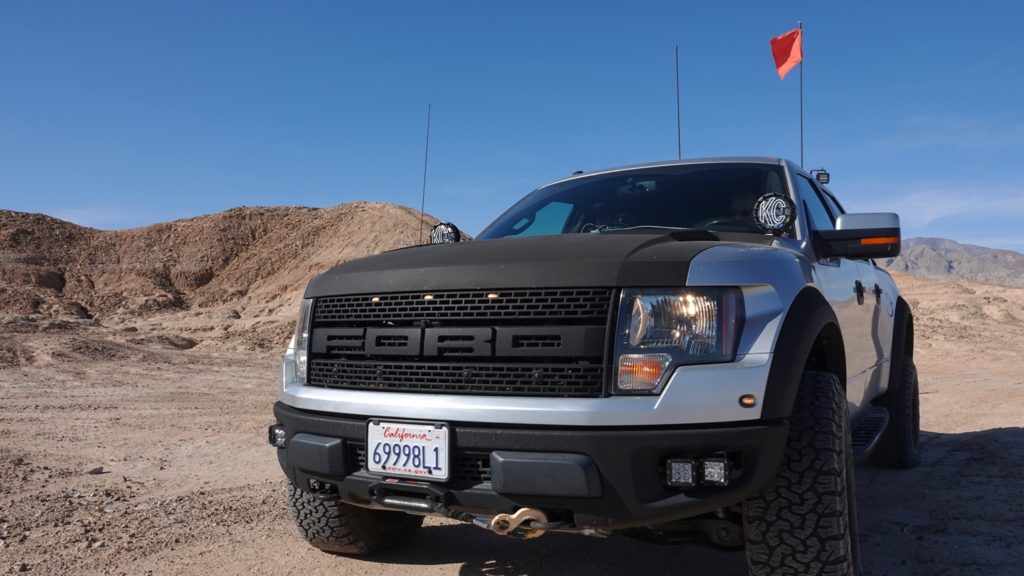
<point x="690" y="351"/>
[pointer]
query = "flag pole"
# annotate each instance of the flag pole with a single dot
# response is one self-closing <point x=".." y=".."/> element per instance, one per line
<point x="679" y="132"/>
<point x="800" y="25"/>
<point x="423" y="198"/>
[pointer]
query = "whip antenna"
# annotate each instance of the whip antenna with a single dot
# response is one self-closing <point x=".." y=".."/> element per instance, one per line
<point x="423" y="197"/>
<point x="679" y="130"/>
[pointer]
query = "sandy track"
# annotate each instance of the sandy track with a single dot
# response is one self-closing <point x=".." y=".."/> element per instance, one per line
<point x="190" y="486"/>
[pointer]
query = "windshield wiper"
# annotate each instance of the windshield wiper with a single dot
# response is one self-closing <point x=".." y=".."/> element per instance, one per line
<point x="610" y="229"/>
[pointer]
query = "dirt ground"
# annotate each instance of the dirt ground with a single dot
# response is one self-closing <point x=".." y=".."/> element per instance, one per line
<point x="189" y="486"/>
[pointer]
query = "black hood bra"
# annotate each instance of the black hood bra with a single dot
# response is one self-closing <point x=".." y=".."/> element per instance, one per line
<point x="641" y="257"/>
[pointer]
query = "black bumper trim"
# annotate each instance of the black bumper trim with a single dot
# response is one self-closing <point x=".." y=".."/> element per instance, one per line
<point x="544" y="474"/>
<point x="629" y="463"/>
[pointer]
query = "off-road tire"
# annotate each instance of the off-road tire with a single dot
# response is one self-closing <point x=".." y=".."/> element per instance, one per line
<point x="900" y="444"/>
<point x="805" y="521"/>
<point x="340" y="528"/>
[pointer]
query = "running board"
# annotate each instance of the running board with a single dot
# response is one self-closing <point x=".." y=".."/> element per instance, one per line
<point x="867" y="431"/>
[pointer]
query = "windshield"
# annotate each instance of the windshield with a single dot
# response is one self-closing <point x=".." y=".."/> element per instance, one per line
<point x="702" y="196"/>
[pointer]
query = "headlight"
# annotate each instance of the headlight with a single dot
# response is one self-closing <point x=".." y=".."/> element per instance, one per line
<point x="302" y="340"/>
<point x="659" y="329"/>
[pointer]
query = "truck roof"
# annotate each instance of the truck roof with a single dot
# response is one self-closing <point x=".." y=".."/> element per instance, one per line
<point x="683" y="162"/>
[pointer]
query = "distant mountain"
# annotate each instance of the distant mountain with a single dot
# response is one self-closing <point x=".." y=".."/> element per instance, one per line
<point x="941" y="258"/>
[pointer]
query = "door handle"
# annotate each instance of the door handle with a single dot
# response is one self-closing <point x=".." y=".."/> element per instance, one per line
<point x="859" y="289"/>
<point x="878" y="294"/>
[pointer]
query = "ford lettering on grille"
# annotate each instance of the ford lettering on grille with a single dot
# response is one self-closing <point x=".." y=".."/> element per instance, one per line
<point x="504" y="341"/>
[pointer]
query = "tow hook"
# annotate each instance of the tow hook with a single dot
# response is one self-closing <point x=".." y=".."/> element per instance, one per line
<point x="513" y="524"/>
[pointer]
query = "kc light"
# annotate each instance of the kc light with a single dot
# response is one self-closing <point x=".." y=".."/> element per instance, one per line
<point x="662" y="328"/>
<point x="302" y="340"/>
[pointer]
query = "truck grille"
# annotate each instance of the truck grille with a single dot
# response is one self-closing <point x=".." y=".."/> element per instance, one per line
<point x="572" y="380"/>
<point x="483" y="305"/>
<point x="517" y="342"/>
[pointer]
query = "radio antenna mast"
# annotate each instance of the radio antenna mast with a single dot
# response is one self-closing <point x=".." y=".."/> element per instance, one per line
<point x="423" y="197"/>
<point x="679" y="130"/>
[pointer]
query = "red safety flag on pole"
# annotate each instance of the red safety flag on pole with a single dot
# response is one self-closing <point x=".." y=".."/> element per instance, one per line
<point x="788" y="51"/>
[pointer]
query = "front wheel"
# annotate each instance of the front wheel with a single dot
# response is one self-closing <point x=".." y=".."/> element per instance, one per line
<point x="805" y="521"/>
<point x="340" y="528"/>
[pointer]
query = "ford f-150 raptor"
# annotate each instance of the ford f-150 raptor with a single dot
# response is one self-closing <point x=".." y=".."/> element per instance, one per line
<point x="690" y="351"/>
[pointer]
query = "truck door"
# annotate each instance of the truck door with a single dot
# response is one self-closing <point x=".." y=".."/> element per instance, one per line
<point x="841" y="281"/>
<point x="880" y="303"/>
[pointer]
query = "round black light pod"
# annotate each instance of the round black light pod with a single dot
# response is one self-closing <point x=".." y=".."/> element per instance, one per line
<point x="445" y="233"/>
<point x="773" y="213"/>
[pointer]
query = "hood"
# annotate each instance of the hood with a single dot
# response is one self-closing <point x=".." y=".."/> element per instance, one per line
<point x="623" y="259"/>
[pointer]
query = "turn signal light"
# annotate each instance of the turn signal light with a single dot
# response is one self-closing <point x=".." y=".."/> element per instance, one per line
<point x="879" y="241"/>
<point x="641" y="372"/>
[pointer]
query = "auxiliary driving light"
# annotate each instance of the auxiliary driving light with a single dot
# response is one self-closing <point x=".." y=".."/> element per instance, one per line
<point x="681" y="473"/>
<point x="716" y="471"/>
<point x="277" y="436"/>
<point x="686" y="473"/>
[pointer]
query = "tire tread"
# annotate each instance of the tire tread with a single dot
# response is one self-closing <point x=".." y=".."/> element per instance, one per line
<point x="899" y="446"/>
<point x="800" y="523"/>
<point x="339" y="528"/>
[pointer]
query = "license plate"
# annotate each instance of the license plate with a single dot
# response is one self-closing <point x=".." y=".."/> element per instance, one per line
<point x="407" y="450"/>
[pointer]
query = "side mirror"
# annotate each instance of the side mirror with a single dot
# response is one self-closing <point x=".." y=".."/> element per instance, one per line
<point x="875" y="235"/>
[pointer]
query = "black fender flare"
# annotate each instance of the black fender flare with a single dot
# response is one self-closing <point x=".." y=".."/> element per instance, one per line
<point x="902" y="345"/>
<point x="808" y="317"/>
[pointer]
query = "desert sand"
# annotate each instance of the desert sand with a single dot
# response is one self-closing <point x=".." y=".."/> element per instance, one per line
<point x="133" y="421"/>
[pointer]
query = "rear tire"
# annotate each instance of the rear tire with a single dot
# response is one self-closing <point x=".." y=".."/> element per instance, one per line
<point x="340" y="528"/>
<point x="805" y="521"/>
<point x="900" y="444"/>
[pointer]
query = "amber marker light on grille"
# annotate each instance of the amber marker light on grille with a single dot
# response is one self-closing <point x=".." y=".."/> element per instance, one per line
<point x="641" y="372"/>
<point x="748" y="401"/>
<point x="375" y="299"/>
<point x="879" y="241"/>
<point x="492" y="296"/>
<point x="428" y="297"/>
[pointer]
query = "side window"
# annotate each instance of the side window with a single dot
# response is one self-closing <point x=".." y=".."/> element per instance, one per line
<point x="820" y="219"/>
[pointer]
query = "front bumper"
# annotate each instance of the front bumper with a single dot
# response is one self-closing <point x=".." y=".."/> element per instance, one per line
<point x="613" y="478"/>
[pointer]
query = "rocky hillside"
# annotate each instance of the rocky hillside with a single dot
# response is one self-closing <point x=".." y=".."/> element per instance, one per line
<point x="234" y="276"/>
<point x="945" y="259"/>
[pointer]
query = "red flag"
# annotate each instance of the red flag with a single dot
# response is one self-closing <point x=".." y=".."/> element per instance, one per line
<point x="788" y="51"/>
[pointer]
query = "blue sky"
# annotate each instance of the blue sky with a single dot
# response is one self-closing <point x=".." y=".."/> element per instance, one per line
<point x="120" y="114"/>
